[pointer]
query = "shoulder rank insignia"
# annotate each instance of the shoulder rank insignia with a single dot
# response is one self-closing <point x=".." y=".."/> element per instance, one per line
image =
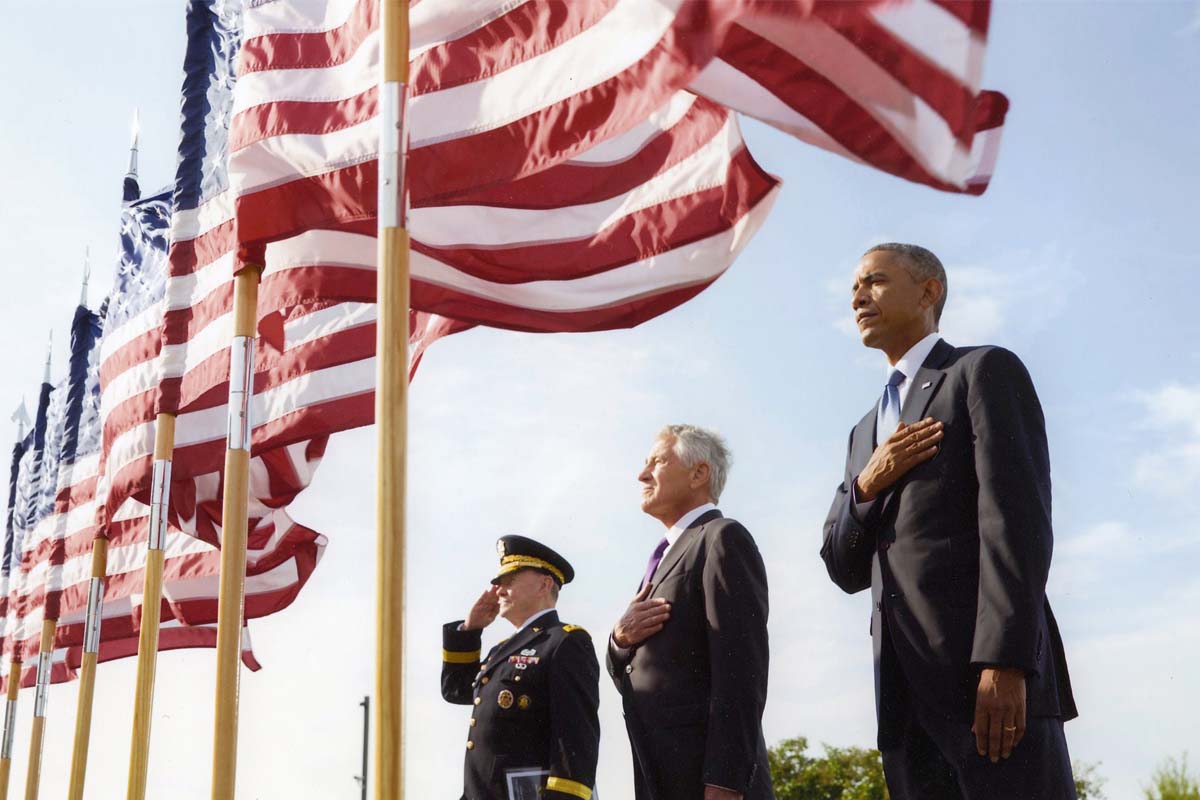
<point x="569" y="628"/>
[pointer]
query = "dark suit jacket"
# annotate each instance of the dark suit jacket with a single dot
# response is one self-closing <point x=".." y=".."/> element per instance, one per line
<point x="694" y="692"/>
<point x="957" y="553"/>
<point x="535" y="701"/>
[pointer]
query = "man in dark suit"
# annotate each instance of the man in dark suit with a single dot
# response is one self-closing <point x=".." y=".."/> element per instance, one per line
<point x="689" y="656"/>
<point x="534" y="731"/>
<point x="944" y="512"/>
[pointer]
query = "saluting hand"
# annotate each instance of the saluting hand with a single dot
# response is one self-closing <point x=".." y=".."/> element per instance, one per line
<point x="484" y="612"/>
<point x="909" y="446"/>
<point x="999" y="712"/>
<point x="642" y="619"/>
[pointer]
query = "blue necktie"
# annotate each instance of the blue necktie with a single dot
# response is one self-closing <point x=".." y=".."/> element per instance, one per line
<point x="889" y="407"/>
<point x="653" y="563"/>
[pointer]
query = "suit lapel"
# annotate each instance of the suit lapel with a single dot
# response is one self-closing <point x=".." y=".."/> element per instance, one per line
<point x="675" y="553"/>
<point x="925" y="383"/>
<point x="518" y="641"/>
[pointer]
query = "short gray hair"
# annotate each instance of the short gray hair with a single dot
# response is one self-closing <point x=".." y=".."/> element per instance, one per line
<point x="693" y="445"/>
<point x="922" y="265"/>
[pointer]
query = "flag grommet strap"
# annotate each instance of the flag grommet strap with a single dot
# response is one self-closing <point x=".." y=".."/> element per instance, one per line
<point x="460" y="657"/>
<point x="565" y="786"/>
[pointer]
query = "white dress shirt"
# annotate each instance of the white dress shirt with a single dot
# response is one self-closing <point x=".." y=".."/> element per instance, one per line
<point x="681" y="525"/>
<point x="527" y="622"/>
<point x="908" y="365"/>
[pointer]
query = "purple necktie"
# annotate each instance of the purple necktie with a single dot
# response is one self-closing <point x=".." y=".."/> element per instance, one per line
<point x="652" y="564"/>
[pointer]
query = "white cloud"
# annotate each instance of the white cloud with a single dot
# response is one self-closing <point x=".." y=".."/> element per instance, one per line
<point x="1192" y="28"/>
<point x="1172" y="419"/>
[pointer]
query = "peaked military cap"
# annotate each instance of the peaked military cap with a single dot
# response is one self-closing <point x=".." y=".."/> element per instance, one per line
<point x="521" y="552"/>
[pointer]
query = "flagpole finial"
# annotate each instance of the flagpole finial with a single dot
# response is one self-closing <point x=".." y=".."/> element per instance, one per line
<point x="133" y="147"/>
<point x="49" y="350"/>
<point x="21" y="417"/>
<point x="87" y="273"/>
<point x="130" y="191"/>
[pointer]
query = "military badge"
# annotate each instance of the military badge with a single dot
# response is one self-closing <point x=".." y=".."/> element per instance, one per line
<point x="524" y="702"/>
<point x="505" y="699"/>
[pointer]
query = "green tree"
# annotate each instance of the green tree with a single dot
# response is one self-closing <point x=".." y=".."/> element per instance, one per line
<point x="843" y="773"/>
<point x="1173" y="781"/>
<point x="1088" y="783"/>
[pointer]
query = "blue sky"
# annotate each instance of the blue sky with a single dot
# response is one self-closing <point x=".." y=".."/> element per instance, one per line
<point x="1080" y="258"/>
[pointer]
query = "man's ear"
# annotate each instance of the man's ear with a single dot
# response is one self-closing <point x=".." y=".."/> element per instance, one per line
<point x="932" y="293"/>
<point x="699" y="476"/>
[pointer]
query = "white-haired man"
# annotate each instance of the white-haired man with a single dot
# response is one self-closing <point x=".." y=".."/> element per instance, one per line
<point x="689" y="656"/>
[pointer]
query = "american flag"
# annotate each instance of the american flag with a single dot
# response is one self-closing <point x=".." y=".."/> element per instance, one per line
<point x="893" y="85"/>
<point x="557" y="164"/>
<point x="55" y="520"/>
<point x="314" y="371"/>
<point x="285" y="552"/>
<point x="173" y="337"/>
<point x="559" y="180"/>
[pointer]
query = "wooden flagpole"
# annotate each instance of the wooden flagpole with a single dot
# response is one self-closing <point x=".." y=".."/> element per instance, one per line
<point x="91" y="635"/>
<point x="10" y="725"/>
<point x="33" y="776"/>
<point x="391" y="403"/>
<point x="87" y="671"/>
<point x="147" y="664"/>
<point x="234" y="523"/>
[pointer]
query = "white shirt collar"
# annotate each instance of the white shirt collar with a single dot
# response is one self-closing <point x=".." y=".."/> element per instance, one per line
<point x="526" y="623"/>
<point x="911" y="361"/>
<point x="681" y="525"/>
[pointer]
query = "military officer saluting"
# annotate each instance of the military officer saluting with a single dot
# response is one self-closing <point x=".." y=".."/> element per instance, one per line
<point x="534" y="730"/>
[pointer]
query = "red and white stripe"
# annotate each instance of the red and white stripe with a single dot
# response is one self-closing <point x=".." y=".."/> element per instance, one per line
<point x="639" y="208"/>
<point x="54" y="574"/>
<point x="501" y="89"/>
<point x="893" y="85"/>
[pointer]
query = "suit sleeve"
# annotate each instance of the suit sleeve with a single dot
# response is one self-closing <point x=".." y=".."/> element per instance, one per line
<point x="735" y="598"/>
<point x="849" y="542"/>
<point x="460" y="662"/>
<point x="617" y="659"/>
<point x="574" y="718"/>
<point x="1012" y="463"/>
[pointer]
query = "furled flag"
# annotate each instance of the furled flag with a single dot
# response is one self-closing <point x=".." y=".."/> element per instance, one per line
<point x="9" y="530"/>
<point x="26" y="486"/>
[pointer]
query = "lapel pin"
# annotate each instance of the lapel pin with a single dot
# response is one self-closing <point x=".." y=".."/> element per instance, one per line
<point x="926" y="384"/>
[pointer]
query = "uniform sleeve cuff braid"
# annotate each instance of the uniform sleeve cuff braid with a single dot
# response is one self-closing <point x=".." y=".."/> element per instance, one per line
<point x="573" y="788"/>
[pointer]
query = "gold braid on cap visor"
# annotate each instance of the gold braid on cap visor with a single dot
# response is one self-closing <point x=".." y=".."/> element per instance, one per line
<point x="513" y="563"/>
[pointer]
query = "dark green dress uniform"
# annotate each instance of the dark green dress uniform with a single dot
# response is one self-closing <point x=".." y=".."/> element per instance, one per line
<point x="534" y="699"/>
